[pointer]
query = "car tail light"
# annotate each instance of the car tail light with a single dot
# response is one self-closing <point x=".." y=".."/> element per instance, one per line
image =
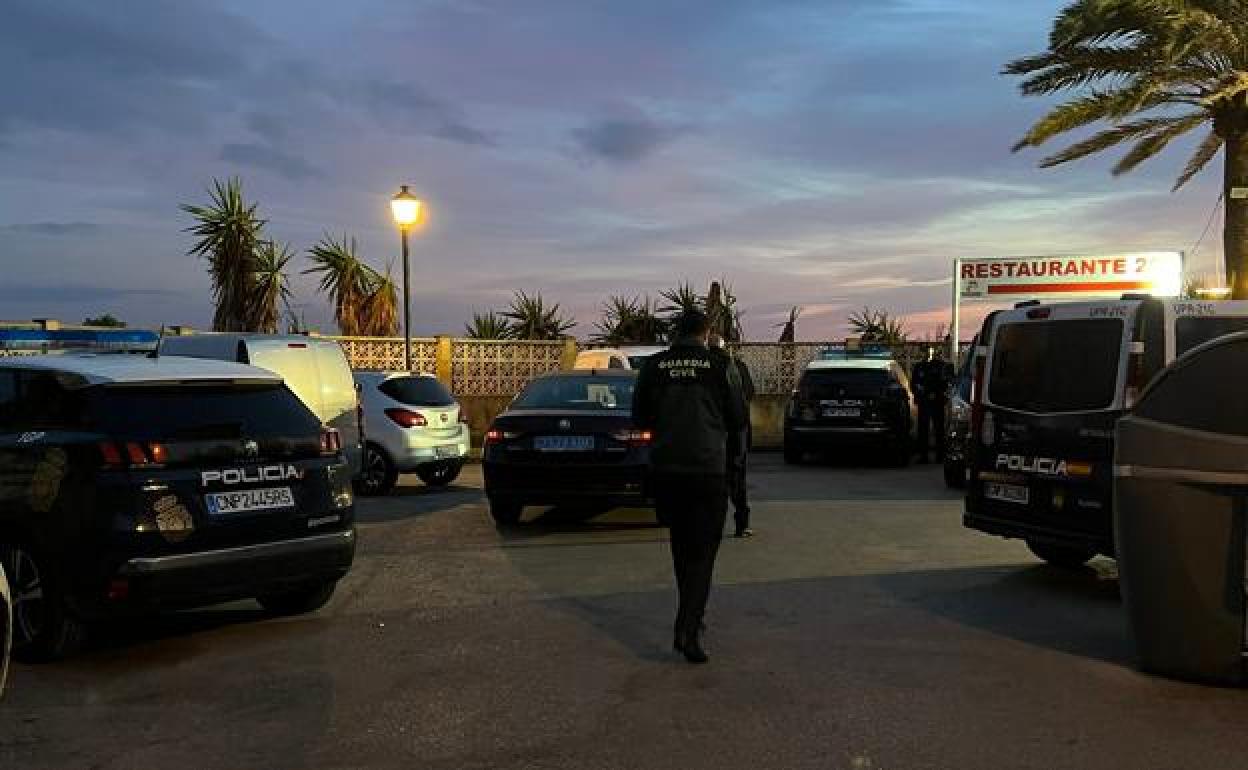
<point x="133" y="454"/>
<point x="1135" y="373"/>
<point x="493" y="436"/>
<point x="633" y="436"/>
<point x="331" y="441"/>
<point x="406" y="418"/>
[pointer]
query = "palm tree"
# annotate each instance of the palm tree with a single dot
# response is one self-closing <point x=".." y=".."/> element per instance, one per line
<point x="789" y="333"/>
<point x="270" y="286"/>
<point x="721" y="307"/>
<point x="531" y="319"/>
<point x="630" y="321"/>
<point x="1152" y="70"/>
<point x="680" y="300"/>
<point x="877" y="327"/>
<point x="345" y="278"/>
<point x="489" y="326"/>
<point x="379" y="312"/>
<point x="229" y="233"/>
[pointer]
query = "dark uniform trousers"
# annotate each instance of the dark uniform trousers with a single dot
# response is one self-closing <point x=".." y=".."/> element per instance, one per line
<point x="694" y="506"/>
<point x="931" y="425"/>
<point x="739" y="453"/>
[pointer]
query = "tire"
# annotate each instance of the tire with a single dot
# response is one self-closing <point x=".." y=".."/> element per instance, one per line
<point x="955" y="475"/>
<point x="506" y="513"/>
<point x="379" y="476"/>
<point x="439" y="475"/>
<point x="44" y="628"/>
<point x="299" y="601"/>
<point x="1068" y="557"/>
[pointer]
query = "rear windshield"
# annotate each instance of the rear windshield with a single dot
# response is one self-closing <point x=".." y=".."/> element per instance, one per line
<point x="833" y="383"/>
<point x="1191" y="331"/>
<point x="577" y="393"/>
<point x="192" y="412"/>
<point x="417" y="391"/>
<point x="636" y="362"/>
<point x="1056" y="366"/>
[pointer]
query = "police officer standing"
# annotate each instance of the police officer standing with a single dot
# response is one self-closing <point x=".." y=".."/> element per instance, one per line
<point x="690" y="398"/>
<point x="931" y="379"/>
<point x="739" y="445"/>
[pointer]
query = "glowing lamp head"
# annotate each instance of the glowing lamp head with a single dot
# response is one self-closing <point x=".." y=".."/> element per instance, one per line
<point x="408" y="210"/>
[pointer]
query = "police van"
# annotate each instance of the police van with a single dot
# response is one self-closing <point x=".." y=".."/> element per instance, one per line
<point x="1049" y="383"/>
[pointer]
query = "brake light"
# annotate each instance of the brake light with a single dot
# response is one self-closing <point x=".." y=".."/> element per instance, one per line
<point x="331" y="441"/>
<point x="296" y="344"/>
<point x="1135" y="373"/>
<point x="406" y="418"/>
<point x="633" y="436"/>
<point x="133" y="454"/>
<point x="493" y="436"/>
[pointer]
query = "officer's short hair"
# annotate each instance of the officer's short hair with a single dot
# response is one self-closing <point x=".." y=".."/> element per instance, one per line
<point x="692" y="323"/>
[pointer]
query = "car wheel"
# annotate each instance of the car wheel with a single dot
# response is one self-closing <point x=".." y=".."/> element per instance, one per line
<point x="439" y="475"/>
<point x="380" y="475"/>
<point x="297" y="601"/>
<point x="955" y="475"/>
<point x="43" y="627"/>
<point x="1061" y="555"/>
<point x="506" y="513"/>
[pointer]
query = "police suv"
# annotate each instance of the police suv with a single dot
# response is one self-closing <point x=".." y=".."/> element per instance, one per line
<point x="130" y="484"/>
<point x="1049" y="382"/>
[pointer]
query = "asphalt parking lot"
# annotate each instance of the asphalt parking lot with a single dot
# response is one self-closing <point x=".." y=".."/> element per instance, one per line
<point x="862" y="628"/>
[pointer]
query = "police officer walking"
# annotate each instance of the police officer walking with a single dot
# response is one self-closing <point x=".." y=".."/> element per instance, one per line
<point x="690" y="398"/>
<point x="931" y="379"/>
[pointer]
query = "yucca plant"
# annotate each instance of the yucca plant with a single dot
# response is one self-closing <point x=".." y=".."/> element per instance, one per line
<point x="629" y="321"/>
<point x="1152" y="71"/>
<point x="489" y="326"/>
<point x="877" y="327"/>
<point x="532" y="319"/>
<point x="379" y="312"/>
<point x="344" y="278"/>
<point x="789" y="332"/>
<point x="229" y="233"/>
<point x="270" y="287"/>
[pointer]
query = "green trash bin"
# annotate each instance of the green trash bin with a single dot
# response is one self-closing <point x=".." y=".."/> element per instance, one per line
<point x="1180" y="495"/>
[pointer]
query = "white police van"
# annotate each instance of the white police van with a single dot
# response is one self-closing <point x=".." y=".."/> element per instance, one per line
<point x="1049" y="383"/>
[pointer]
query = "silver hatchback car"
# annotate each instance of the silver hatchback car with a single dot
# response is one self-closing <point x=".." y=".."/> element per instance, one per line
<point x="412" y="423"/>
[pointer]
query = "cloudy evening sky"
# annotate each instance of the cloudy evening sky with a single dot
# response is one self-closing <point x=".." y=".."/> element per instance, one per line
<point x="823" y="153"/>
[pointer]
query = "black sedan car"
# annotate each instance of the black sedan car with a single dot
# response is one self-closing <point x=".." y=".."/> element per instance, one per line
<point x="132" y="484"/>
<point x="567" y="439"/>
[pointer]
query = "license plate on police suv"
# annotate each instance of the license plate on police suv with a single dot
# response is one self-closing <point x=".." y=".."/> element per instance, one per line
<point x="246" y="500"/>
<point x="841" y="412"/>
<point x="1007" y="493"/>
<point x="564" y="443"/>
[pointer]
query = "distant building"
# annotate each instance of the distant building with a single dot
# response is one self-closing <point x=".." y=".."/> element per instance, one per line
<point x="46" y="335"/>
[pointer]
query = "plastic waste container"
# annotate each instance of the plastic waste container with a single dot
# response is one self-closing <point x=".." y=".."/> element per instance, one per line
<point x="1180" y="494"/>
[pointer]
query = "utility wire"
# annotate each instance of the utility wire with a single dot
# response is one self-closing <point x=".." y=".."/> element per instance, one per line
<point x="1201" y="239"/>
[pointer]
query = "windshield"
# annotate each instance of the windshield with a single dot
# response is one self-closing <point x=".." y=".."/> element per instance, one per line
<point x="834" y="383"/>
<point x="199" y="412"/>
<point x="1056" y="366"/>
<point x="417" y="391"/>
<point x="577" y="392"/>
<point x="1190" y="331"/>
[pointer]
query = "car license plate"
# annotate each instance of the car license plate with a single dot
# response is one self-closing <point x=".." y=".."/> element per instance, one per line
<point x="246" y="500"/>
<point x="564" y="443"/>
<point x="841" y="412"/>
<point x="1007" y="493"/>
<point x="450" y="450"/>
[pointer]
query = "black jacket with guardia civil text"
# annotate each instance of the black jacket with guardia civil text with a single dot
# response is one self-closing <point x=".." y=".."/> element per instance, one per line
<point x="689" y="396"/>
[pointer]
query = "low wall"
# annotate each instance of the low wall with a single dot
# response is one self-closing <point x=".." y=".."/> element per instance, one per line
<point x="766" y="415"/>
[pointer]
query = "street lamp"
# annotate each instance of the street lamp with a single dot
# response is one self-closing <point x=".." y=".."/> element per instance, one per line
<point x="407" y="210"/>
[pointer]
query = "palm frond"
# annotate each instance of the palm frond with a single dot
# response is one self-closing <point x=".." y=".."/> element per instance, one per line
<point x="1155" y="142"/>
<point x="228" y="233"/>
<point x="1204" y="153"/>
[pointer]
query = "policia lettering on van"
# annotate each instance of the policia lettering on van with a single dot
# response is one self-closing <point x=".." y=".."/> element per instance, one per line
<point x="1048" y="383"/>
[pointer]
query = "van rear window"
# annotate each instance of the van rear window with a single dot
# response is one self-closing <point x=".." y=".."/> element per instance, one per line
<point x="1191" y="331"/>
<point x="1056" y="366"/>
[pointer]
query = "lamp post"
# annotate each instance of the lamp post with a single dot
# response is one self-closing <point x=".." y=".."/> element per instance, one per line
<point x="407" y="210"/>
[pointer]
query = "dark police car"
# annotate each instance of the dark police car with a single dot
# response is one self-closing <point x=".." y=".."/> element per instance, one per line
<point x="849" y="401"/>
<point x="1049" y="383"/>
<point x="568" y="438"/>
<point x="132" y="484"/>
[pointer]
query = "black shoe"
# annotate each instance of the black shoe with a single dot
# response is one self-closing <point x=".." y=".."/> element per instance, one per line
<point x="689" y="644"/>
<point x="744" y="532"/>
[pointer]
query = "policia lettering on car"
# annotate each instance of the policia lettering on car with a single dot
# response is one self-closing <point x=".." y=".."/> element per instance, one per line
<point x="250" y="475"/>
<point x="1045" y="466"/>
